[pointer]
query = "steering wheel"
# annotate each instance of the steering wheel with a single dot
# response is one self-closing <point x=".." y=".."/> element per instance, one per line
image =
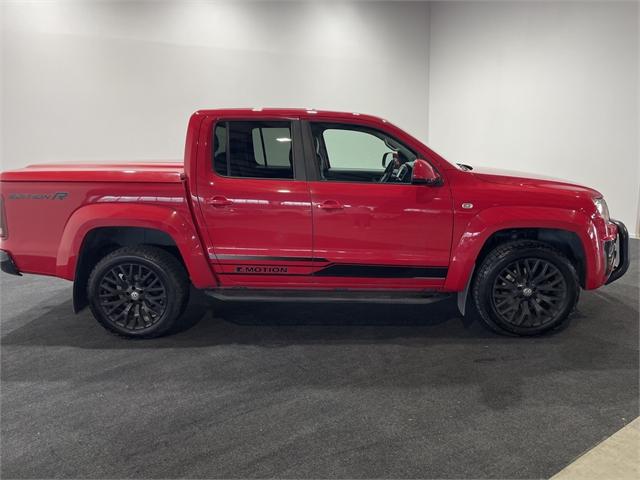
<point x="403" y="171"/>
<point x="388" y="171"/>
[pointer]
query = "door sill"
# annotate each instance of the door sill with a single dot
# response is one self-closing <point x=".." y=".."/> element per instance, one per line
<point x="332" y="296"/>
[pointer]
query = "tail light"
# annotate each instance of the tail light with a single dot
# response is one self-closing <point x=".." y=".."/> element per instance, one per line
<point x="3" y="220"/>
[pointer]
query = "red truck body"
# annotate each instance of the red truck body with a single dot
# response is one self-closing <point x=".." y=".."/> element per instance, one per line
<point x="302" y="232"/>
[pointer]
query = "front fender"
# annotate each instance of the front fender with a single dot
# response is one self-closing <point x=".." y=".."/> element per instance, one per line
<point x="480" y="227"/>
<point x="176" y="224"/>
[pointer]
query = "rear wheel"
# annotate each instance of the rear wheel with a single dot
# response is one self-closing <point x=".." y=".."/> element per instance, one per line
<point x="525" y="288"/>
<point x="138" y="291"/>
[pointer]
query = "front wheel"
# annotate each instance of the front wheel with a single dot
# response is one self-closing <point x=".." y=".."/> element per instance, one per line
<point x="138" y="292"/>
<point x="525" y="288"/>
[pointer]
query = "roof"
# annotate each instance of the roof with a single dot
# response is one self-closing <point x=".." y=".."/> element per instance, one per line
<point x="288" y="112"/>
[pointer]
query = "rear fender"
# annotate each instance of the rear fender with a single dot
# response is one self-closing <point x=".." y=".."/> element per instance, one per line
<point x="480" y="228"/>
<point x="165" y="219"/>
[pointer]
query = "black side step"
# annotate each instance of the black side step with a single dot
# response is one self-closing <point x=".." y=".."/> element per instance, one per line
<point x="333" y="296"/>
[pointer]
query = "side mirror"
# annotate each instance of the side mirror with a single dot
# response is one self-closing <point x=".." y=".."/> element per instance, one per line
<point x="423" y="173"/>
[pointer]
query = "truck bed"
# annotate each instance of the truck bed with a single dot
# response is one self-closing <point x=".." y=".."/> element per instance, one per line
<point x="43" y="200"/>
<point x="157" y="172"/>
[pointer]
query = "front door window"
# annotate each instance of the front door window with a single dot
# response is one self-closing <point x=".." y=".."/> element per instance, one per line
<point x="348" y="153"/>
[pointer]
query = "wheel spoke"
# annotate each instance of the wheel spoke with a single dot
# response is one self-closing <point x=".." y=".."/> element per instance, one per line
<point x="154" y="302"/>
<point x="526" y="310"/>
<point x="137" y="315"/>
<point x="538" y="308"/>
<point x="116" y="307"/>
<point x="116" y="302"/>
<point x="551" y="289"/>
<point x="155" y="289"/>
<point x="145" y="315"/>
<point x="110" y="290"/>
<point x="541" y="274"/>
<point x="546" y="298"/>
<point x="521" y="315"/>
<point x="504" y="302"/>
<point x="536" y="264"/>
<point x="151" y="310"/>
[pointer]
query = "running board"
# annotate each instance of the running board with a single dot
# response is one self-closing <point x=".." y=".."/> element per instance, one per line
<point x="332" y="296"/>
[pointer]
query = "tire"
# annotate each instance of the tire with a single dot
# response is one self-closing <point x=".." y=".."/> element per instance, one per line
<point x="525" y="288"/>
<point x="138" y="292"/>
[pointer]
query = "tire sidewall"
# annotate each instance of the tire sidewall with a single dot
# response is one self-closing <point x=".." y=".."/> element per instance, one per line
<point x="485" y="289"/>
<point x="172" y="309"/>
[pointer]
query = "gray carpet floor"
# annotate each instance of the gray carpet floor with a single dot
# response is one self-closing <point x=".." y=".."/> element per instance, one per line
<point x="276" y="390"/>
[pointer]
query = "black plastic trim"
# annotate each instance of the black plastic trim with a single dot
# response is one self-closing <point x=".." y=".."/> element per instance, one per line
<point x="299" y="157"/>
<point x="7" y="265"/>
<point x="381" y="271"/>
<point x="623" y="252"/>
<point x="311" y="165"/>
<point x="334" y="296"/>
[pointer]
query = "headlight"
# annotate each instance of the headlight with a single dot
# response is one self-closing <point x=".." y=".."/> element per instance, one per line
<point x="602" y="208"/>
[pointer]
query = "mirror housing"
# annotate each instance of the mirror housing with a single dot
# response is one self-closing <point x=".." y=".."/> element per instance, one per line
<point x="423" y="173"/>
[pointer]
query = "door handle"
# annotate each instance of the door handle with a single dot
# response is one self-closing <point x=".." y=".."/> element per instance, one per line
<point x="219" y="201"/>
<point x="330" y="205"/>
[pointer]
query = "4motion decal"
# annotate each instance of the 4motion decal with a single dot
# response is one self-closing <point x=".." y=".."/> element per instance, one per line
<point x="262" y="269"/>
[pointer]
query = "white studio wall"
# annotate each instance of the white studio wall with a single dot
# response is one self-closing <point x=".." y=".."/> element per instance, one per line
<point x="544" y="87"/>
<point x="118" y="80"/>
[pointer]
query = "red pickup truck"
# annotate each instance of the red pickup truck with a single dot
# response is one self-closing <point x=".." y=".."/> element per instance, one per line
<point x="306" y="205"/>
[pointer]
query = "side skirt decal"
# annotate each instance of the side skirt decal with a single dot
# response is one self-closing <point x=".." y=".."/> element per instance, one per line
<point x="381" y="271"/>
<point x="239" y="266"/>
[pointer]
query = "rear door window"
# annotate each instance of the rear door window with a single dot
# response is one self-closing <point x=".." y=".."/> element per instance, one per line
<point x="253" y="149"/>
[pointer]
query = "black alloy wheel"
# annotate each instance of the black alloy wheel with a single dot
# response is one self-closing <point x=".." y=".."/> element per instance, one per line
<point x="138" y="292"/>
<point x="529" y="292"/>
<point x="525" y="287"/>
<point x="132" y="296"/>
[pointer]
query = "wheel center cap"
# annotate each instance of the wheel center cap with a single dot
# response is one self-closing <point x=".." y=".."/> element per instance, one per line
<point x="527" y="291"/>
<point x="135" y="296"/>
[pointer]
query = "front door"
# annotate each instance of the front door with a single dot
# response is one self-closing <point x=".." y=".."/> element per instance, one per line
<point x="373" y="227"/>
<point x="255" y="202"/>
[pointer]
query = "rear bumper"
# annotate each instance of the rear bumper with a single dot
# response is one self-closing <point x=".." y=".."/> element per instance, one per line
<point x="7" y="264"/>
<point x="617" y="253"/>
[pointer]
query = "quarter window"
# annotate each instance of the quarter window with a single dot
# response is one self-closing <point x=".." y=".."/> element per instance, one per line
<point x="261" y="149"/>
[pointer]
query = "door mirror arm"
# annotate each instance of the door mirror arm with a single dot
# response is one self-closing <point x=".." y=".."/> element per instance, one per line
<point x="430" y="183"/>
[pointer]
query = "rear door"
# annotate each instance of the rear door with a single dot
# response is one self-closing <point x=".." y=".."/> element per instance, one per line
<point x="372" y="232"/>
<point x="255" y="202"/>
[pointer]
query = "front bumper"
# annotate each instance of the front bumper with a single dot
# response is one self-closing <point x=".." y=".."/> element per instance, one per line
<point x="7" y="264"/>
<point x="617" y="253"/>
